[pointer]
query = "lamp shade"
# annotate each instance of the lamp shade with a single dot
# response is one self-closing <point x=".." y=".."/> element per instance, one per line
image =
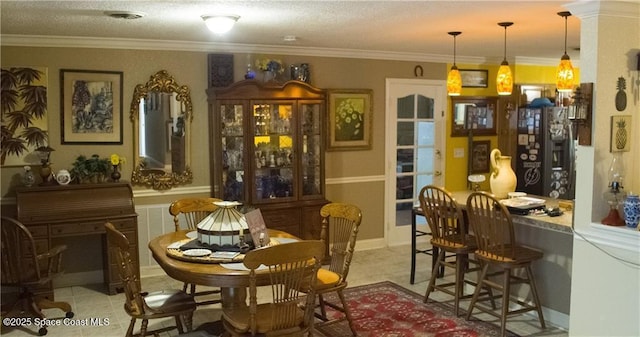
<point x="454" y="82"/>
<point x="224" y="226"/>
<point x="220" y="24"/>
<point x="504" y="80"/>
<point x="564" y="75"/>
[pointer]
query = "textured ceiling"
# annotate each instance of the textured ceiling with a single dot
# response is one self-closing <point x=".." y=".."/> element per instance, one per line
<point x="403" y="27"/>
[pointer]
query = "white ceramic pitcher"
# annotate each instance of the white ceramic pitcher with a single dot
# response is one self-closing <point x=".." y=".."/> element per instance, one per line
<point x="503" y="180"/>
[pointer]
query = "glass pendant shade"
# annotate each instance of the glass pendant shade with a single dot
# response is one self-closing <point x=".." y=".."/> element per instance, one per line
<point x="454" y="79"/>
<point x="454" y="82"/>
<point x="564" y="74"/>
<point x="504" y="80"/>
<point x="224" y="226"/>
<point x="220" y="24"/>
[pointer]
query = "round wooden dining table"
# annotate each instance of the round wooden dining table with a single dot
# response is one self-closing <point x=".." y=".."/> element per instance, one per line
<point x="232" y="283"/>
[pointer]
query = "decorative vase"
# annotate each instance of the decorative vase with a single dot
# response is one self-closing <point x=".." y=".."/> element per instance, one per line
<point x="503" y="180"/>
<point x="268" y="76"/>
<point x="45" y="174"/>
<point x="632" y="210"/>
<point x="63" y="177"/>
<point x="115" y="175"/>
<point x="28" y="179"/>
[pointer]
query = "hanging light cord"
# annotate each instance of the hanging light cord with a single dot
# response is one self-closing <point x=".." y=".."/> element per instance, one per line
<point x="454" y="49"/>
<point x="505" y="42"/>
<point x="565" y="34"/>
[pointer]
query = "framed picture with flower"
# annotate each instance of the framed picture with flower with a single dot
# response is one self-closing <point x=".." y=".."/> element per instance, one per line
<point x="350" y="119"/>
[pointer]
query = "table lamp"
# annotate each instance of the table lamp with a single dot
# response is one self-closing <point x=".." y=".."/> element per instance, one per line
<point x="614" y="195"/>
<point x="224" y="227"/>
<point x="476" y="180"/>
<point x="44" y="153"/>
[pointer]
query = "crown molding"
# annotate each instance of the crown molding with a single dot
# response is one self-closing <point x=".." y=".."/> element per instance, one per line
<point x="173" y="45"/>
<point x="621" y="8"/>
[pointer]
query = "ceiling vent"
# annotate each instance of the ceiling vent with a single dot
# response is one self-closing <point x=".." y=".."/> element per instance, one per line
<point x="125" y="14"/>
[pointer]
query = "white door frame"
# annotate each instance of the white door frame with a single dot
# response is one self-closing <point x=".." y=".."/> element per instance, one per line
<point x="402" y="235"/>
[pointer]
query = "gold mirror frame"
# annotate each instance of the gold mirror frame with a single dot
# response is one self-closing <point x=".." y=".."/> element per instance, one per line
<point x="156" y="178"/>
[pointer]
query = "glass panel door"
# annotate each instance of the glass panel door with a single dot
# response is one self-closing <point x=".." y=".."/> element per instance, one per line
<point x="232" y="152"/>
<point x="311" y="150"/>
<point x="414" y="136"/>
<point x="273" y="145"/>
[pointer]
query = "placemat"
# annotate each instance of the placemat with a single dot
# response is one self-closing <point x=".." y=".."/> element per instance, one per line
<point x="174" y="251"/>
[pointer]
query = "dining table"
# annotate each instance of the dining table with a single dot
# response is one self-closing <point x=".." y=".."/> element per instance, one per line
<point x="232" y="281"/>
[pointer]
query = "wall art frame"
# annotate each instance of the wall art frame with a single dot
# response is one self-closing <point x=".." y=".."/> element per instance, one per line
<point x="620" y="133"/>
<point x="91" y="107"/>
<point x="350" y="119"/>
<point x="24" y="107"/>
<point x="479" y="153"/>
<point x="474" y="78"/>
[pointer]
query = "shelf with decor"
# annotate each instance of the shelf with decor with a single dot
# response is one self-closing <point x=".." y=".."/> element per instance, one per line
<point x="267" y="151"/>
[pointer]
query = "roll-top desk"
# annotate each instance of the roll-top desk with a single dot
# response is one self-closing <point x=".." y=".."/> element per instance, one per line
<point x="52" y="212"/>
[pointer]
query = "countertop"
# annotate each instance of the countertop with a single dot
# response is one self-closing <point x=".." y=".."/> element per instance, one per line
<point x="562" y="223"/>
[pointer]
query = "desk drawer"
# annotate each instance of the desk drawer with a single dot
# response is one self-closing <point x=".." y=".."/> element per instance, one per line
<point x="38" y="231"/>
<point x="76" y="228"/>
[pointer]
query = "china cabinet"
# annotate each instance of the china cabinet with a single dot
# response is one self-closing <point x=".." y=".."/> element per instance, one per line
<point x="267" y="151"/>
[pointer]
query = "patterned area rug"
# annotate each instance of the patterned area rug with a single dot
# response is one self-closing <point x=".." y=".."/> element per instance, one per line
<point x="386" y="309"/>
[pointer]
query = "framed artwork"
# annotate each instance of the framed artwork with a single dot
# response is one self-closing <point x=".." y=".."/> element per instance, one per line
<point x="480" y="150"/>
<point x="474" y="78"/>
<point x="620" y="133"/>
<point x="220" y="70"/>
<point x="24" y="114"/>
<point x="91" y="106"/>
<point x="350" y="119"/>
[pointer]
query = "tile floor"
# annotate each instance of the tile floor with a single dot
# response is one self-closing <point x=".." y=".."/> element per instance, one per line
<point x="386" y="264"/>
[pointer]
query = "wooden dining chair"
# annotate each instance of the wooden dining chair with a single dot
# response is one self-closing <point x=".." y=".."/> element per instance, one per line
<point x="27" y="268"/>
<point x="450" y="236"/>
<point x="497" y="247"/>
<point x="145" y="306"/>
<point x="340" y="225"/>
<point x="288" y="312"/>
<point x="193" y="210"/>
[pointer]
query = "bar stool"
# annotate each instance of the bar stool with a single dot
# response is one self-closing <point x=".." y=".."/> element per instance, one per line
<point x="448" y="228"/>
<point x="415" y="233"/>
<point x="493" y="228"/>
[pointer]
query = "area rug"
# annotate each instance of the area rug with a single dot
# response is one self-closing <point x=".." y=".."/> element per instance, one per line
<point x="386" y="309"/>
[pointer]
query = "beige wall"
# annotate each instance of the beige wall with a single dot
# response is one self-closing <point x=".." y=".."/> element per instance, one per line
<point x="190" y="68"/>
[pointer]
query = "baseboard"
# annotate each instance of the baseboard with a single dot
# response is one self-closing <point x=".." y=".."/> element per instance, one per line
<point x="151" y="271"/>
<point x="77" y="279"/>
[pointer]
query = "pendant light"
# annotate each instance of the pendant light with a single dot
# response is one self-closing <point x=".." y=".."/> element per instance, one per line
<point x="504" y="80"/>
<point x="564" y="74"/>
<point x="454" y="80"/>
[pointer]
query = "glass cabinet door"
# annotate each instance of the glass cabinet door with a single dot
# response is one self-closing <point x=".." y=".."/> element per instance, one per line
<point x="311" y="149"/>
<point x="232" y="152"/>
<point x="273" y="163"/>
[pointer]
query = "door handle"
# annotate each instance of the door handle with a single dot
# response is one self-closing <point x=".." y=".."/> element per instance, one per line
<point x="438" y="154"/>
<point x="437" y="173"/>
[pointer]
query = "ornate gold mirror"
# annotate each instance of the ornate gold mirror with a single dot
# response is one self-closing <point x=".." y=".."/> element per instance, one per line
<point x="161" y="113"/>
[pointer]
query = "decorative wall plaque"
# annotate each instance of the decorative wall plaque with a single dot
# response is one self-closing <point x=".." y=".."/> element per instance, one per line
<point x="220" y="70"/>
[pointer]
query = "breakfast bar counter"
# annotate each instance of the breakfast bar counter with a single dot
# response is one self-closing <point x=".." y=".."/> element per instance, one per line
<point x="561" y="223"/>
<point x="554" y="237"/>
